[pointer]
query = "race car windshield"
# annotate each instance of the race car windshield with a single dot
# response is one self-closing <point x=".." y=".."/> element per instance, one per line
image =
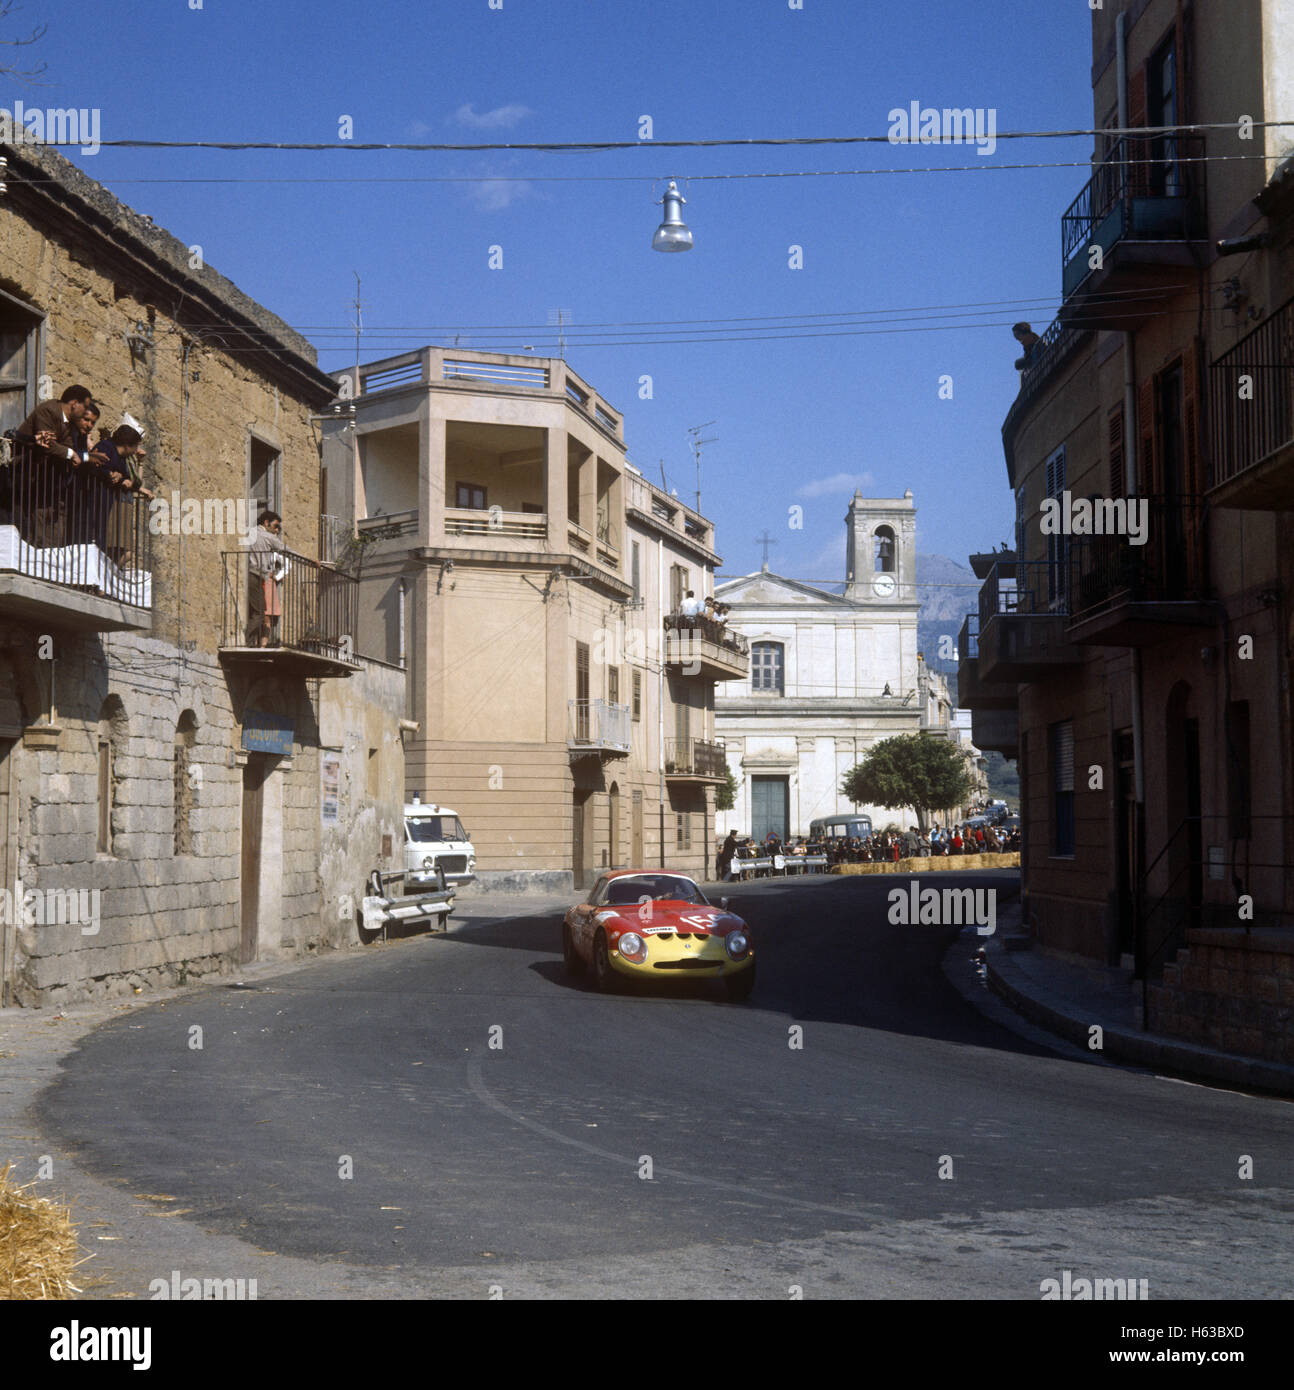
<point x="657" y="887"/>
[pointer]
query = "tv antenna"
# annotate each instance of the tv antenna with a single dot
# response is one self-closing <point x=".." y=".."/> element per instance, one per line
<point x="559" y="318"/>
<point x="697" y="443"/>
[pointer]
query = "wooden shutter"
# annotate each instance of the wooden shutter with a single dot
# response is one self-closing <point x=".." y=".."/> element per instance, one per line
<point x="1118" y="481"/>
<point x="1147" y="476"/>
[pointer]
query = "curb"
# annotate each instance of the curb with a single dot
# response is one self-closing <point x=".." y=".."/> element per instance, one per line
<point x="1188" y="1060"/>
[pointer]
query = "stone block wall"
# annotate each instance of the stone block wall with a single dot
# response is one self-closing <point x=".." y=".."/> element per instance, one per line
<point x="1230" y="990"/>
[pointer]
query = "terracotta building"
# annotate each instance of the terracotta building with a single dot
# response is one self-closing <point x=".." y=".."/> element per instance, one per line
<point x="1134" y="649"/>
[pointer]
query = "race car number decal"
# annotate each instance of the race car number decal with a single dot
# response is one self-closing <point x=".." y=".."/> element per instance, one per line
<point x="698" y="919"/>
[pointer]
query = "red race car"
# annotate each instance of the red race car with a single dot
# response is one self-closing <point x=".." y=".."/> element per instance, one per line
<point x="649" y="924"/>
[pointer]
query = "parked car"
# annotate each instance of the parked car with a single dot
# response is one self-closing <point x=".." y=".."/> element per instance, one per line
<point x="653" y="925"/>
<point x="437" y="849"/>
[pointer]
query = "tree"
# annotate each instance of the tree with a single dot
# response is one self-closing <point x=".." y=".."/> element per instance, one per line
<point x="909" y="770"/>
<point x="725" y="797"/>
<point x="26" y="75"/>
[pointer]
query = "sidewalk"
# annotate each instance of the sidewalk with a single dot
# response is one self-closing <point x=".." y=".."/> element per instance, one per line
<point x="1068" y="997"/>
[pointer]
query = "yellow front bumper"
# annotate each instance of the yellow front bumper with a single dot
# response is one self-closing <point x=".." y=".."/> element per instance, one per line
<point x="699" y="958"/>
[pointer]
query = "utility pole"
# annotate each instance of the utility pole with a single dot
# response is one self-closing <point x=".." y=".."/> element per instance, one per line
<point x="697" y="442"/>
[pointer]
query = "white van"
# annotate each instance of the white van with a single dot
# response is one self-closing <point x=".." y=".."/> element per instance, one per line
<point x="437" y="850"/>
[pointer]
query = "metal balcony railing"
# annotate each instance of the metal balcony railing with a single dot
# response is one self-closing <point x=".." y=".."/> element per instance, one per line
<point x="1168" y="568"/>
<point x="1149" y="188"/>
<point x="68" y="525"/>
<point x="968" y="639"/>
<point x="1253" y="397"/>
<point x="703" y="629"/>
<point x="694" y="757"/>
<point x="1025" y="587"/>
<point x="318" y="607"/>
<point x="598" y="724"/>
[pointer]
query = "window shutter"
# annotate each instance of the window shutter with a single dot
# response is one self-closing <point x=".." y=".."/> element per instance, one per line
<point x="1147" y="480"/>
<point x="1118" y="483"/>
<point x="1064" y="758"/>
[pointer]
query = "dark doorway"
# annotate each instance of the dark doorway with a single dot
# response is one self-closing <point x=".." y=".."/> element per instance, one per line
<point x="580" y="838"/>
<point x="254" y="774"/>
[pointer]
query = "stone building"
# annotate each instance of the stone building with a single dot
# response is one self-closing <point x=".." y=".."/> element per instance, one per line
<point x="831" y="674"/>
<point x="174" y="800"/>
<point x="524" y="569"/>
<point x="1135" y="647"/>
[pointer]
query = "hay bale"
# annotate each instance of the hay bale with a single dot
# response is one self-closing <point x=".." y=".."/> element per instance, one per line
<point x="37" y="1244"/>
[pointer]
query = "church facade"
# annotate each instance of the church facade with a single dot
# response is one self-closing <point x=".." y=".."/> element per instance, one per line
<point x="831" y="674"/>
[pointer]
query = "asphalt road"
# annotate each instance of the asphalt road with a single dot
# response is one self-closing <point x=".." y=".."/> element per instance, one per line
<point x="673" y="1142"/>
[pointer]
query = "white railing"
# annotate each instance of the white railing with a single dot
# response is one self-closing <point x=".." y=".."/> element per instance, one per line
<point x="465" y="521"/>
<point x="599" y="724"/>
<point x="499" y="373"/>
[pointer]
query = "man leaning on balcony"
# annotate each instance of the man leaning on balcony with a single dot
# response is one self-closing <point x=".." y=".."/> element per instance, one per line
<point x="36" y="503"/>
<point x="266" y="567"/>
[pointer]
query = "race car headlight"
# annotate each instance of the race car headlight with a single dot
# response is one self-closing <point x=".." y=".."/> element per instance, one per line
<point x="429" y="863"/>
<point x="738" y="944"/>
<point x="632" y="947"/>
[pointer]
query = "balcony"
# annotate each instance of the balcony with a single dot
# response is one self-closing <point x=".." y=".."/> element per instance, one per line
<point x="1143" y="208"/>
<point x="1252" y="459"/>
<point x="75" y="553"/>
<point x="996" y="731"/>
<point x="599" y="729"/>
<point x="1023" y="616"/>
<point x="701" y="647"/>
<point x="1125" y="595"/>
<point x="313" y="634"/>
<point x="494" y="524"/>
<point x="694" y="760"/>
<point x="973" y="693"/>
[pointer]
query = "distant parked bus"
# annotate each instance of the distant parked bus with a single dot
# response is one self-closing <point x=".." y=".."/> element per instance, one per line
<point x="841" y="828"/>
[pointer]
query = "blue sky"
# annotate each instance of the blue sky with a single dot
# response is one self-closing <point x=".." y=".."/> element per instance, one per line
<point x="800" y="420"/>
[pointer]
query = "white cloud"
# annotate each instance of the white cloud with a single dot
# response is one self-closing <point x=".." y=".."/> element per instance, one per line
<point x="500" y="118"/>
<point x="493" y="195"/>
<point x="837" y="483"/>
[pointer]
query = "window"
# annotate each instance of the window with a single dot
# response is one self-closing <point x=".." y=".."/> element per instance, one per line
<point x="1161" y="87"/>
<point x="883" y="560"/>
<point x="532" y="509"/>
<point x="635" y="571"/>
<point x="682" y="720"/>
<point x="1062" y="789"/>
<point x="684" y="830"/>
<point x="766" y="667"/>
<point x="638" y="697"/>
<point x="469" y="496"/>
<point x="613" y="685"/>
<point x="263" y="475"/>
<point x="19" y="352"/>
<point x="678" y="587"/>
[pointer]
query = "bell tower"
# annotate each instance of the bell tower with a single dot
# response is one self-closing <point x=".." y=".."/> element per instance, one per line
<point x="880" y="549"/>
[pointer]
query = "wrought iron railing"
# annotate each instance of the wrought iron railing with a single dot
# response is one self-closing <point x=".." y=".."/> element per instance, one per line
<point x="968" y="639"/>
<point x="1149" y="187"/>
<point x="67" y="524"/>
<point x="1028" y="587"/>
<point x="694" y="757"/>
<point x="303" y="606"/>
<point x="1168" y="567"/>
<point x="1253" y="397"/>
<point x="699" y="628"/>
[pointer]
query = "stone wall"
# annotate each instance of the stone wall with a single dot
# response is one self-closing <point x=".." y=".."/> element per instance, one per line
<point x="1230" y="989"/>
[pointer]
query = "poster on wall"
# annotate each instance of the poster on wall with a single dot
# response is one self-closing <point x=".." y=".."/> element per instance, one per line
<point x="330" y="781"/>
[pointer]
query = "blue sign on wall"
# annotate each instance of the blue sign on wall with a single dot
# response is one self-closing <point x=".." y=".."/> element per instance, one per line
<point x="267" y="733"/>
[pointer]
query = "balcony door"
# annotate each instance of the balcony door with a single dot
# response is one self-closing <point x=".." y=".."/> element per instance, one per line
<point x="770" y="807"/>
<point x="1162" y="110"/>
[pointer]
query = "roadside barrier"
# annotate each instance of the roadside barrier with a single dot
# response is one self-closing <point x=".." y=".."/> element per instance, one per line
<point x="955" y="863"/>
